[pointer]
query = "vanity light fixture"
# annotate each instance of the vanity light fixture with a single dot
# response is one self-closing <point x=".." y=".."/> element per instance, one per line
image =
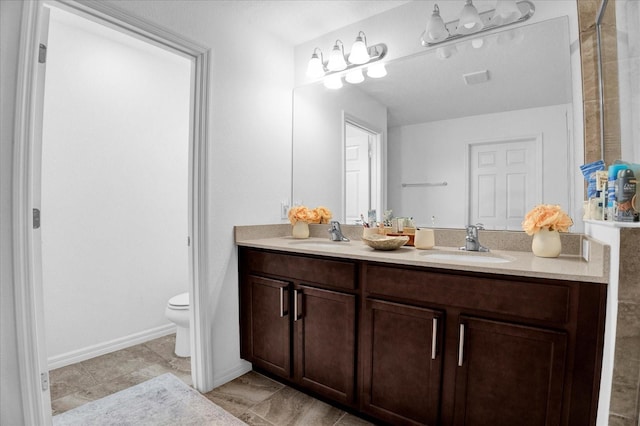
<point x="362" y="57"/>
<point x="507" y="12"/>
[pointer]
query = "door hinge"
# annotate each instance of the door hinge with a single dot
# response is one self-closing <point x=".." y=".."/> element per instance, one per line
<point x="44" y="380"/>
<point x="188" y="241"/>
<point x="36" y="218"/>
<point x="42" y="54"/>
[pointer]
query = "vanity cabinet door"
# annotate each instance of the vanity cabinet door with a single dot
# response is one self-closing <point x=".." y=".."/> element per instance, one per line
<point x="402" y="362"/>
<point x="325" y="334"/>
<point x="266" y="324"/>
<point x="508" y="374"/>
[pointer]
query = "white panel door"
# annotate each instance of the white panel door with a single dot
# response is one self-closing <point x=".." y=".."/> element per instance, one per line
<point x="503" y="183"/>
<point x="357" y="174"/>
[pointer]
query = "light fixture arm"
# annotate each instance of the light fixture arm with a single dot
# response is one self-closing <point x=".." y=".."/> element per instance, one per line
<point x="527" y="8"/>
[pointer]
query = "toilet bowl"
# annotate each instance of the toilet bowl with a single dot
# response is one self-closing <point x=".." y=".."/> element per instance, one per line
<point x="177" y="311"/>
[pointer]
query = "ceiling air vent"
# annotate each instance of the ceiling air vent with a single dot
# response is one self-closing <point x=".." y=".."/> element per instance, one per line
<point x="476" y="77"/>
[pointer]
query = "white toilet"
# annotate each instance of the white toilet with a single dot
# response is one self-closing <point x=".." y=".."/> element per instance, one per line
<point x="178" y="312"/>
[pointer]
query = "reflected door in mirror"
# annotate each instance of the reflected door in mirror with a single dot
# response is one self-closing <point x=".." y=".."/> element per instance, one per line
<point x="504" y="178"/>
<point x="360" y="171"/>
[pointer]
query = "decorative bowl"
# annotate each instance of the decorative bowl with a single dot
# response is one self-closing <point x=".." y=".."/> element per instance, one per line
<point x="385" y="242"/>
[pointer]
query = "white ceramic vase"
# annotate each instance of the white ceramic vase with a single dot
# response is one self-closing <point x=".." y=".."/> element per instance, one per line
<point x="300" y="230"/>
<point x="546" y="243"/>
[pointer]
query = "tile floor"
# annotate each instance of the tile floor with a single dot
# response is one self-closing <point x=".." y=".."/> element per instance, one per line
<point x="98" y="377"/>
<point x="254" y="398"/>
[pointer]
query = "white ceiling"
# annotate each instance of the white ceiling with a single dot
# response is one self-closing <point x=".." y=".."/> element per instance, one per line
<point x="298" y="21"/>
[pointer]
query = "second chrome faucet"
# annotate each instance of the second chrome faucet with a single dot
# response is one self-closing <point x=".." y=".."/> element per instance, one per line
<point x="471" y="241"/>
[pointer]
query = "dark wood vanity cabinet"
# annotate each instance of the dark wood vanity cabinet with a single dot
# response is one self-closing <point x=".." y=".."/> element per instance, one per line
<point x="298" y="320"/>
<point x="422" y="346"/>
<point x="499" y="350"/>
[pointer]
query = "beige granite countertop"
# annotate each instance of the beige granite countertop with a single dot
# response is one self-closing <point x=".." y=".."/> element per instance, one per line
<point x="570" y="267"/>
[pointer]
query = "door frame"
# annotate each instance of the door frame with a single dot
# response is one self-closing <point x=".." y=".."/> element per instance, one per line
<point x="31" y="346"/>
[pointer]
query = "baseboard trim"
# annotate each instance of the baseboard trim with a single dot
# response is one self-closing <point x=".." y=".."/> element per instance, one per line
<point x="89" y="352"/>
<point x="238" y="370"/>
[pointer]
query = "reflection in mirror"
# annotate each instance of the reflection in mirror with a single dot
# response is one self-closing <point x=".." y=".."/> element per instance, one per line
<point x="319" y="155"/>
<point x="362" y="171"/>
<point x="491" y="117"/>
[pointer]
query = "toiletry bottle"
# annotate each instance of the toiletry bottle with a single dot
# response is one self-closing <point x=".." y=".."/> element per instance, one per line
<point x="611" y="195"/>
<point x="625" y="190"/>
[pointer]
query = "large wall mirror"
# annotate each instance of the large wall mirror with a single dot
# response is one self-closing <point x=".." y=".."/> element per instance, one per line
<point x="475" y="131"/>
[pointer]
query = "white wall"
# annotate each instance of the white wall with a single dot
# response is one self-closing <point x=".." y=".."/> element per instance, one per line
<point x="436" y="152"/>
<point x="114" y="187"/>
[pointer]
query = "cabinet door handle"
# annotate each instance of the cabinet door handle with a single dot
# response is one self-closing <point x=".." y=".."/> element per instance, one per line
<point x="434" y="339"/>
<point x="282" y="311"/>
<point x="461" y="346"/>
<point x="295" y="305"/>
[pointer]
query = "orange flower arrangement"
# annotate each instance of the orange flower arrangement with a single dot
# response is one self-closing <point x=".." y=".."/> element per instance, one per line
<point x="548" y="216"/>
<point x="302" y="213"/>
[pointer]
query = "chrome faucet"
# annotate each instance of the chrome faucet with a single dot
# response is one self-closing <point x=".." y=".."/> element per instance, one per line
<point x="472" y="243"/>
<point x="336" y="232"/>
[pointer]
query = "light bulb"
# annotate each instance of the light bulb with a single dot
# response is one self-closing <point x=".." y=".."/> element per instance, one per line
<point x="336" y="59"/>
<point x="507" y="11"/>
<point x="377" y="70"/>
<point x="477" y="43"/>
<point x="446" y="52"/>
<point x="355" y="77"/>
<point x="333" y="82"/>
<point x="514" y="35"/>
<point x="359" y="52"/>
<point x="436" y="30"/>
<point x="470" y="21"/>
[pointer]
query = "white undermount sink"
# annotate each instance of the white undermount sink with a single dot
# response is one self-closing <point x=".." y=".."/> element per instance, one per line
<point x="465" y="256"/>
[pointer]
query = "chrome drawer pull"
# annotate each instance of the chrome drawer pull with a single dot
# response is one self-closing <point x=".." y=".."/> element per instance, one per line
<point x="434" y="338"/>
<point x="295" y="305"/>
<point x="461" y="346"/>
<point x="282" y="312"/>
